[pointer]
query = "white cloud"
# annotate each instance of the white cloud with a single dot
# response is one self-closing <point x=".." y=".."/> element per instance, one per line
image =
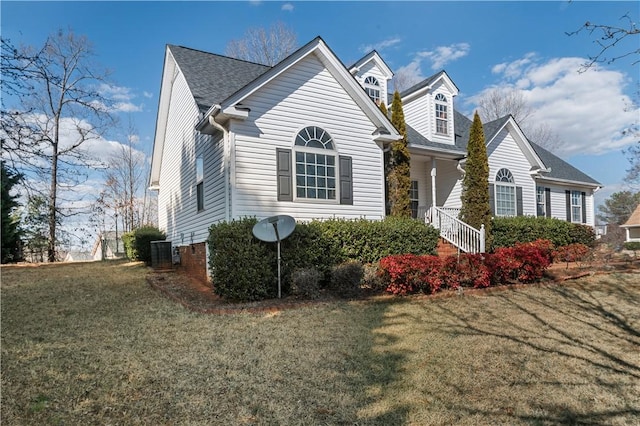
<point x="588" y="110"/>
<point x="288" y="7"/>
<point x="442" y="55"/>
<point x="147" y="94"/>
<point x="392" y="41"/>
<point x="126" y="107"/>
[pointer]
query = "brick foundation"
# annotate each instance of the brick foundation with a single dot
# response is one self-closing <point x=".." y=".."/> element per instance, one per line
<point x="193" y="261"/>
<point x="445" y="248"/>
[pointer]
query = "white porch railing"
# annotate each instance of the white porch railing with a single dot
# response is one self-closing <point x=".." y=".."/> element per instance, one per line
<point x="466" y="238"/>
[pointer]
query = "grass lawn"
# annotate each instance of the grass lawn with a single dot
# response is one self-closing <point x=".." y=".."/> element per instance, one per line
<point x="92" y="343"/>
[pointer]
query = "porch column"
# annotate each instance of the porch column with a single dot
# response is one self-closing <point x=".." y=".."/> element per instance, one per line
<point x="433" y="182"/>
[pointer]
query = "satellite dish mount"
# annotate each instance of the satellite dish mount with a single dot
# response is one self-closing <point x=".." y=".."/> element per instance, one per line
<point x="275" y="229"/>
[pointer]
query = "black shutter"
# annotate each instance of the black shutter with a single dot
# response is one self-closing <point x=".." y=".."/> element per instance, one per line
<point x="547" y="201"/>
<point x="519" y="209"/>
<point x="568" y="194"/>
<point x="492" y="202"/>
<point x="346" y="180"/>
<point x="283" y="164"/>
<point x="584" y="207"/>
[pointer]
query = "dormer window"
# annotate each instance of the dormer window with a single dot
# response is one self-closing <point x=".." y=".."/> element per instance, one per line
<point x="442" y="116"/>
<point x="372" y="87"/>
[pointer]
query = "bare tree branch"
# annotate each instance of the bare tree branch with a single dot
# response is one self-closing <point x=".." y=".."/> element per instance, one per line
<point x="609" y="38"/>
<point x="56" y="110"/>
<point x="264" y="46"/>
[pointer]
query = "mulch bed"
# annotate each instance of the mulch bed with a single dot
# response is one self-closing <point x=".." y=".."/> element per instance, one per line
<point x="199" y="297"/>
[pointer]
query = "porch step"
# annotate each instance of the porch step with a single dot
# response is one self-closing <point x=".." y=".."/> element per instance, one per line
<point x="445" y="248"/>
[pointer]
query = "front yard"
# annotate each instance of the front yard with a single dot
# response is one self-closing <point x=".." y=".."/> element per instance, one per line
<point x="92" y="343"/>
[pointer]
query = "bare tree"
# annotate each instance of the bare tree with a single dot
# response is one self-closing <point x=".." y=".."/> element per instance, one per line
<point x="57" y="109"/>
<point x="264" y="46"/>
<point x="125" y="195"/>
<point x="610" y="39"/>
<point x="500" y="101"/>
<point x="405" y="78"/>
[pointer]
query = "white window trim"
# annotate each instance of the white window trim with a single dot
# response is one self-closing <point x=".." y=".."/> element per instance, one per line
<point x="578" y="206"/>
<point x="441" y="103"/>
<point x="512" y="186"/>
<point x="323" y="151"/>
<point x="199" y="181"/>
<point x="544" y="201"/>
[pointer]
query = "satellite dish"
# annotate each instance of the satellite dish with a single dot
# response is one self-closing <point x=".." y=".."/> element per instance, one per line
<point x="265" y="230"/>
<point x="275" y="229"/>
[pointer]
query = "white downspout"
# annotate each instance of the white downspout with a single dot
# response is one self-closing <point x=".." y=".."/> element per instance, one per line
<point x="227" y="166"/>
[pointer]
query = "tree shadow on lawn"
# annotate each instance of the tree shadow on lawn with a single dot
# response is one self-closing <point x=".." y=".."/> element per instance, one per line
<point x="574" y="351"/>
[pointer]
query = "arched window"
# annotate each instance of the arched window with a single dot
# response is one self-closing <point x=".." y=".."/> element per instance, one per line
<point x="505" y="193"/>
<point x="442" y="115"/>
<point x="372" y="87"/>
<point x="315" y="164"/>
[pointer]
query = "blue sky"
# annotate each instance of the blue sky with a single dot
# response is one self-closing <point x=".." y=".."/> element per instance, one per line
<point x="479" y="44"/>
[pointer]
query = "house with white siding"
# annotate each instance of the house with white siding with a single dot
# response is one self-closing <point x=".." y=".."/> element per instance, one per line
<point x="306" y="138"/>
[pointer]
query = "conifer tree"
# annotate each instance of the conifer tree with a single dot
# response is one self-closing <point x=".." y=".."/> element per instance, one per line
<point x="398" y="177"/>
<point x="10" y="221"/>
<point x="476" y="210"/>
<point x="384" y="110"/>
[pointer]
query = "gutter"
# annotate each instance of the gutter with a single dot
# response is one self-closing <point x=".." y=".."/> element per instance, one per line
<point x="210" y="120"/>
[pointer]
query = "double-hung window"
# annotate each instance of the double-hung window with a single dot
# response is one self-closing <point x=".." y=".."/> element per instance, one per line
<point x="413" y="198"/>
<point x="541" y="204"/>
<point x="576" y="206"/>
<point x="200" y="183"/>
<point x="372" y="87"/>
<point x="315" y="164"/>
<point x="442" y="115"/>
<point x="505" y="193"/>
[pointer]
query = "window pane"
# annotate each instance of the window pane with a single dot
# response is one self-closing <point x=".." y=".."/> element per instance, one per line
<point x="331" y="160"/>
<point x="199" y="169"/>
<point x="300" y="192"/>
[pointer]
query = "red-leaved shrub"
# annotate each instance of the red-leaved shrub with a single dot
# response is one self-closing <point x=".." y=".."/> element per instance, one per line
<point x="466" y="270"/>
<point x="524" y="262"/>
<point x="410" y="273"/>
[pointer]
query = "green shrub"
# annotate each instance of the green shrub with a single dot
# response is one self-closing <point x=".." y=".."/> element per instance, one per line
<point x="243" y="268"/>
<point x="632" y="245"/>
<point x="346" y="278"/>
<point x="305" y="283"/>
<point x="369" y="241"/>
<point x="137" y="243"/>
<point x="507" y="231"/>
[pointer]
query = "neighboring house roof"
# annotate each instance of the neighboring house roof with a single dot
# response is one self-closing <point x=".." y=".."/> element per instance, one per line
<point x="634" y="219"/>
<point x="110" y="237"/>
<point x="203" y="72"/>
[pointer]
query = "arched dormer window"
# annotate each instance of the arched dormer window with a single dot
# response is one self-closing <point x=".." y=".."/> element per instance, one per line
<point x="442" y="115"/>
<point x="315" y="156"/>
<point x="372" y="87"/>
<point x="505" y="193"/>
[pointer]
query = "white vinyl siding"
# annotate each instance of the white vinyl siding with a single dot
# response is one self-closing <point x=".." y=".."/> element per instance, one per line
<point x="306" y="95"/>
<point x="504" y="152"/>
<point x="420" y="113"/>
<point x="177" y="197"/>
<point x="371" y="69"/>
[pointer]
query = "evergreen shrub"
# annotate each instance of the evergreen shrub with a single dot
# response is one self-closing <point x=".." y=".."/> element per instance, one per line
<point x="244" y="268"/>
<point x="507" y="231"/>
<point x="137" y="243"/>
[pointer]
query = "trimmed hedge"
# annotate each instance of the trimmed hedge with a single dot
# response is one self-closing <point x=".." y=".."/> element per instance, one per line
<point x="245" y="269"/>
<point x="137" y="243"/>
<point x="508" y="231"/>
<point x="369" y="241"/>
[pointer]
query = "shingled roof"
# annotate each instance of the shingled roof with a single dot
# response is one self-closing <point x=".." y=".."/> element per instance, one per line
<point x="213" y="78"/>
<point x="560" y="169"/>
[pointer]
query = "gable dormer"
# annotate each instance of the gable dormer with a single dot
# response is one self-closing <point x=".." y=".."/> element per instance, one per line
<point x="428" y="108"/>
<point x="373" y="74"/>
